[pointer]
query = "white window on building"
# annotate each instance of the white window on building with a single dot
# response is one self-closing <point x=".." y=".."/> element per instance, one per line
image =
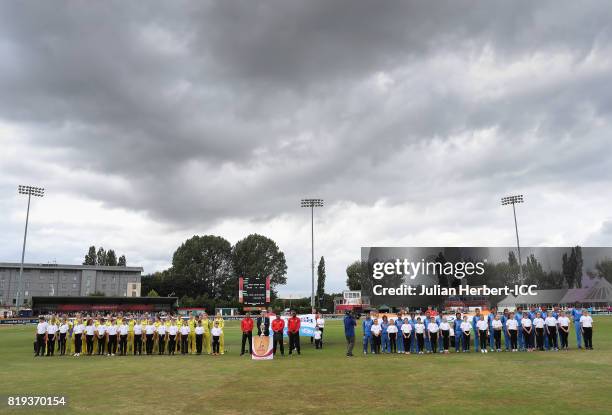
<point x="73" y="285"/>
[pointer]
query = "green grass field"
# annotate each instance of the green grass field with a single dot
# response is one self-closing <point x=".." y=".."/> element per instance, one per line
<point x="323" y="382"/>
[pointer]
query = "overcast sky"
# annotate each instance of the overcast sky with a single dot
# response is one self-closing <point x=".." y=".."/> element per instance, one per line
<point x="149" y="122"/>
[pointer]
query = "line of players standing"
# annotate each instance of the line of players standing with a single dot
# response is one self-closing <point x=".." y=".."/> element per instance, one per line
<point x="524" y="330"/>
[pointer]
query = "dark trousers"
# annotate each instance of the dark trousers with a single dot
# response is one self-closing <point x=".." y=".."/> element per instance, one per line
<point x="393" y="341"/>
<point x="123" y="344"/>
<point x="540" y="338"/>
<point x="513" y="339"/>
<point x="247" y="336"/>
<point x="482" y="336"/>
<point x="62" y="343"/>
<point x="445" y="340"/>
<point x="552" y="337"/>
<point x="294" y="342"/>
<point x="112" y="344"/>
<point x="184" y="338"/>
<point x="563" y="335"/>
<point x="172" y="343"/>
<point x="317" y="343"/>
<point x="215" y="344"/>
<point x="350" y="343"/>
<point x="161" y="344"/>
<point x="433" y="340"/>
<point x="78" y="343"/>
<point x="406" y="343"/>
<point x="587" y="334"/>
<point x="149" y="345"/>
<point x="101" y="344"/>
<point x="420" y="341"/>
<point x="50" y="344"/>
<point x="527" y="338"/>
<point x="452" y="341"/>
<point x="199" y="338"/>
<point x="466" y="342"/>
<point x="89" y="340"/>
<point x="277" y="338"/>
<point x="137" y="344"/>
<point x="497" y="337"/>
<point x="376" y="341"/>
<point x="40" y="345"/>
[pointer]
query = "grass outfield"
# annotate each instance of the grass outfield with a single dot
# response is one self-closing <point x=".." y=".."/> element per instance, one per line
<point x="317" y="382"/>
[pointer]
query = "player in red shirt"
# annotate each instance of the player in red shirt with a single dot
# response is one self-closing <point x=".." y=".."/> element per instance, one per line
<point x="293" y="327"/>
<point x="278" y="325"/>
<point x="246" y="325"/>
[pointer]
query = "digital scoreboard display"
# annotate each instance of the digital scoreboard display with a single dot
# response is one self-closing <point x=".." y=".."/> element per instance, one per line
<point x="254" y="291"/>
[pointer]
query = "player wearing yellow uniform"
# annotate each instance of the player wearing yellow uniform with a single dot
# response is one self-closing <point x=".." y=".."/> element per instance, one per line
<point x="191" y="340"/>
<point x="220" y="324"/>
<point x="130" y="339"/>
<point x="207" y="324"/>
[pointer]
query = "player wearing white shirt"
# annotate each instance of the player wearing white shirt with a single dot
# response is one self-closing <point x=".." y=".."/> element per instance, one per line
<point x="90" y="332"/>
<point x="419" y="330"/>
<point x="445" y="330"/>
<point x="216" y="333"/>
<point x="466" y="331"/>
<point x="538" y="324"/>
<point x="78" y="330"/>
<point x="138" y="337"/>
<point x="172" y="333"/>
<point x="51" y="333"/>
<point x="184" y="335"/>
<point x="563" y="323"/>
<point x="101" y="337"/>
<point x="149" y="332"/>
<point x="199" y="332"/>
<point x="432" y="329"/>
<point x="497" y="327"/>
<point x="586" y="325"/>
<point x="483" y="334"/>
<point x="63" y="330"/>
<point x="406" y="333"/>
<point x="392" y="333"/>
<point x="551" y="332"/>
<point x="512" y="329"/>
<point x="376" y="330"/>
<point x="123" y="336"/>
<point x="161" y="338"/>
<point x="527" y="332"/>
<point x="41" y="336"/>
<point x="112" y="331"/>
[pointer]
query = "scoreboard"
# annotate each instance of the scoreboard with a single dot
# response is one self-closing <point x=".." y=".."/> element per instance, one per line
<point x="254" y="291"/>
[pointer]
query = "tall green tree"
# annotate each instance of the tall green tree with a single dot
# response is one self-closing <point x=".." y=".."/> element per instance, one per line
<point x="122" y="261"/>
<point x="354" y="275"/>
<point x="320" y="281"/>
<point x="111" y="258"/>
<point x="205" y="264"/>
<point x="101" y="256"/>
<point x="259" y="255"/>
<point x="90" y="257"/>
<point x="579" y="264"/>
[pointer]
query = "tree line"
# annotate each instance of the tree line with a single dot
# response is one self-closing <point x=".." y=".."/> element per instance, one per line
<point x="205" y="270"/>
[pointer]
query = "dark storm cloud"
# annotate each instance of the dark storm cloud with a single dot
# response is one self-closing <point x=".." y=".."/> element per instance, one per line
<point x="212" y="110"/>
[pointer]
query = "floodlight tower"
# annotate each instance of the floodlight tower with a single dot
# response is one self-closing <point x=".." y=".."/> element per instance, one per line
<point x="30" y="191"/>
<point x="513" y="200"/>
<point x="312" y="203"/>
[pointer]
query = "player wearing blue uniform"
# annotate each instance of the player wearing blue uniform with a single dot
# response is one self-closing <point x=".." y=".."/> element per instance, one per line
<point x="490" y="319"/>
<point x="426" y="322"/>
<point x="458" y="332"/>
<point x="503" y="319"/>
<point x="366" y="325"/>
<point x="398" y="323"/>
<point x="386" y="348"/>
<point x="414" y="346"/>
<point x="576" y="314"/>
<point x="518" y="316"/>
<point x="475" y="320"/>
